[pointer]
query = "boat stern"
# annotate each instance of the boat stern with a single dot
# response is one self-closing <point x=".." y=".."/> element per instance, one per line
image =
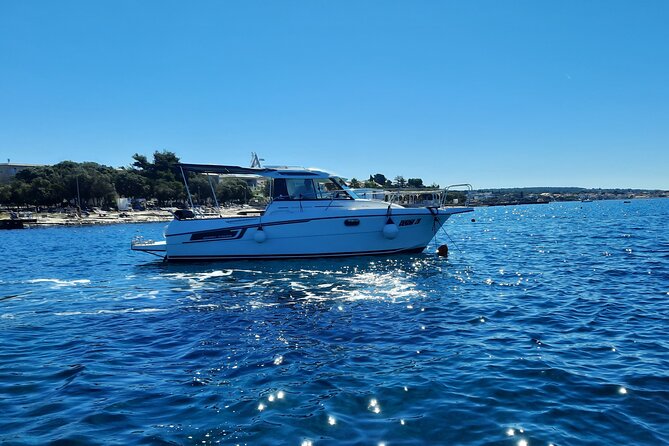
<point x="149" y="246"/>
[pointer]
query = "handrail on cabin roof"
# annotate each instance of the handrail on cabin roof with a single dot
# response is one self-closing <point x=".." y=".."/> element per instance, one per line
<point x="223" y="169"/>
<point x="238" y="170"/>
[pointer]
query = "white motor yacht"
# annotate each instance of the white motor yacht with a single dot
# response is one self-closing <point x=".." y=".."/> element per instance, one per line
<point x="311" y="214"/>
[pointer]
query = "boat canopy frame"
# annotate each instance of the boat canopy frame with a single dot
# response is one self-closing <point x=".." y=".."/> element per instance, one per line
<point x="268" y="172"/>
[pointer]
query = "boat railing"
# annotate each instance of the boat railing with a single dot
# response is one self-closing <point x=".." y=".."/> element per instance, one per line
<point x="429" y="197"/>
<point x="468" y="192"/>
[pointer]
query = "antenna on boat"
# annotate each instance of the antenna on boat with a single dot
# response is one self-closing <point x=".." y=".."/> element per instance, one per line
<point x="255" y="161"/>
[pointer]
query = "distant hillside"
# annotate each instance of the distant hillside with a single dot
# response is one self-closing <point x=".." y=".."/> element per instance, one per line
<point x="567" y="190"/>
<point x="535" y="190"/>
<point x="531" y="195"/>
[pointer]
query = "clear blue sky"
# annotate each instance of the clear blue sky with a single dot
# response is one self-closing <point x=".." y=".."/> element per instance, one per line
<point x="495" y="93"/>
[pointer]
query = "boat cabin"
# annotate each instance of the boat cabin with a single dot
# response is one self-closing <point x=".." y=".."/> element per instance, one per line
<point x="285" y="183"/>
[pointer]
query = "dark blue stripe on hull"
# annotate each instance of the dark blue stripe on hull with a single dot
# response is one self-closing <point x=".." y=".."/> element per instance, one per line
<point x="293" y="256"/>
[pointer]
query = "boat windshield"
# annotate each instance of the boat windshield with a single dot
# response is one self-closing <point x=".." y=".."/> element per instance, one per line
<point x="308" y="189"/>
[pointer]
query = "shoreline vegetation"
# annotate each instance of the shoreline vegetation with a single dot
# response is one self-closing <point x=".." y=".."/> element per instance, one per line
<point x="75" y="194"/>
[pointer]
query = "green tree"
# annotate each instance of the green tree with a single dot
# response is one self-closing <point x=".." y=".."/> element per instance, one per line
<point x="5" y="193"/>
<point x="233" y="190"/>
<point x="354" y="183"/>
<point x="379" y="179"/>
<point x="97" y="184"/>
<point x="141" y="162"/>
<point x="161" y="175"/>
<point x="163" y="165"/>
<point x="167" y="192"/>
<point x="20" y="193"/>
<point x="200" y="188"/>
<point x="42" y="192"/>
<point x="92" y="182"/>
<point x="102" y="190"/>
<point x="400" y="181"/>
<point x="165" y="161"/>
<point x="415" y="182"/>
<point x="129" y="183"/>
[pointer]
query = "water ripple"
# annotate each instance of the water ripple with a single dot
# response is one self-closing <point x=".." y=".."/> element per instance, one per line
<point x="544" y="326"/>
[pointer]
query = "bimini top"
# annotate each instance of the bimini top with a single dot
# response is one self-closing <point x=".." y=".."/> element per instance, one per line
<point x="272" y="172"/>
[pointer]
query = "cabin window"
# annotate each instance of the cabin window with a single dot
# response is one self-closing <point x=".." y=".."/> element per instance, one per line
<point x="301" y="189"/>
<point x="308" y="189"/>
<point x="280" y="190"/>
<point x="329" y="189"/>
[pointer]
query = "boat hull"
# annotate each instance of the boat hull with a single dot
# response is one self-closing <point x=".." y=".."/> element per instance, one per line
<point x="298" y="235"/>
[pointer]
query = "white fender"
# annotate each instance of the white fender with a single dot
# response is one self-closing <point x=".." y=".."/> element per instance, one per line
<point x="390" y="230"/>
<point x="260" y="235"/>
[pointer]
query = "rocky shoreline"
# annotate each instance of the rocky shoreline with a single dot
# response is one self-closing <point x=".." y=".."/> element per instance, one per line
<point x="73" y="219"/>
<point x="40" y="219"/>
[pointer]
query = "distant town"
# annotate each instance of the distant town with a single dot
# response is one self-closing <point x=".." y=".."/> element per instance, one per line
<point x="539" y="195"/>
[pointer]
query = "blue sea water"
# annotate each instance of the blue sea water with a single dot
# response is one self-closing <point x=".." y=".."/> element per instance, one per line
<point x="547" y="324"/>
